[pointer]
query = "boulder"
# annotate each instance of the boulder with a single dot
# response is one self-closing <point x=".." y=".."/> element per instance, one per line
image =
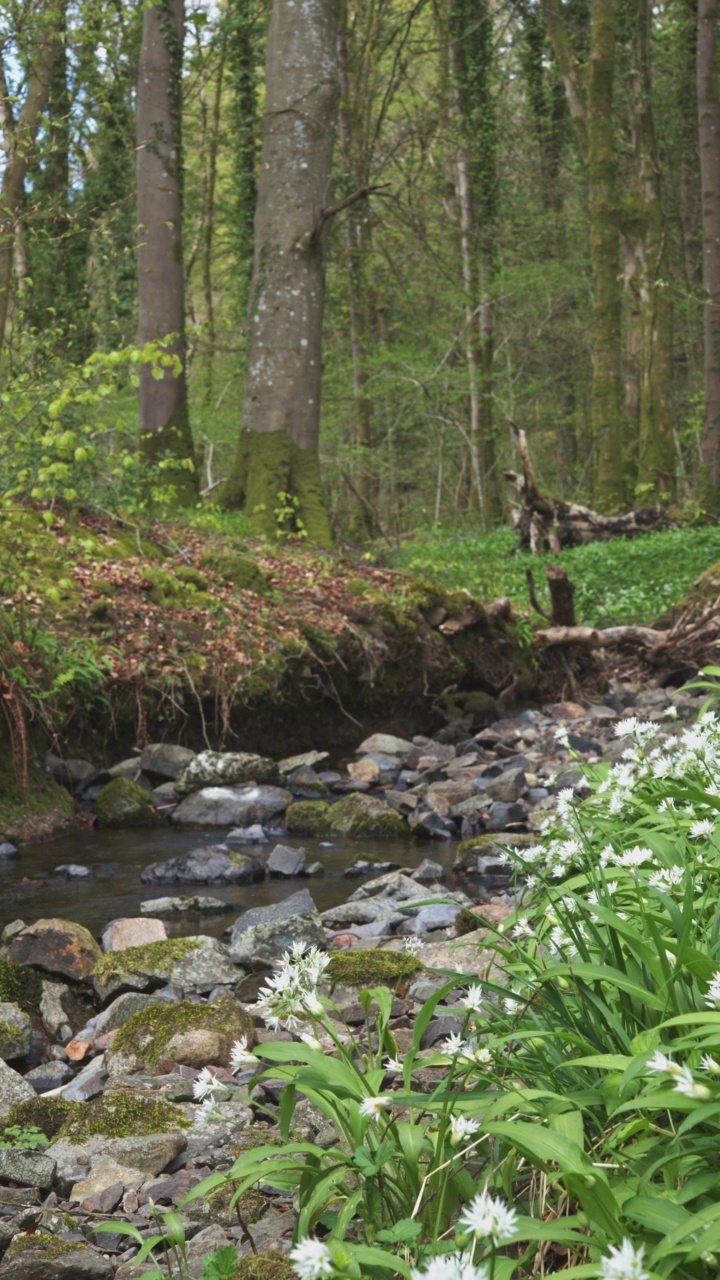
<point x="42" y="1256"/>
<point x="363" y="817"/>
<point x="29" y="1168"/>
<point x="122" y="804"/>
<point x="180" y="962"/>
<point x="300" y="903"/>
<point x="150" y="1152"/>
<point x="15" y="1032"/>
<point x="270" y="941"/>
<point x="117" y="1014"/>
<point x="13" y="1089"/>
<point x="306" y="760"/>
<point x="225" y="769"/>
<point x="49" y="1075"/>
<point x="385" y="742"/>
<point x="72" y="871"/>
<point x="169" y="1031"/>
<point x="183" y="904"/>
<point x="438" y="915"/>
<point x="60" y="1011"/>
<point x="231" y="806"/>
<point x="215" y="864"/>
<point x="88" y="1083"/>
<point x="57" y="946"/>
<point x="132" y="932"/>
<point x="165" y="759"/>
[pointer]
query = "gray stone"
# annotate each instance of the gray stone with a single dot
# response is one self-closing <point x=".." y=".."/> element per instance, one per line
<point x="13" y="1089"/>
<point x="440" y="915"/>
<point x="192" y="973"/>
<point x="29" y="1168"/>
<point x="306" y="759"/>
<point x="163" y="797"/>
<point x="300" y="903"/>
<point x="285" y="861"/>
<point x="49" y="1075"/>
<point x="439" y="1029"/>
<point x="225" y="769"/>
<point x="247" y="835"/>
<point x="395" y="885"/>
<point x="507" y="787"/>
<point x="15" y="1031"/>
<point x="385" y="742"/>
<point x="117" y="1014"/>
<point x="181" y="905"/>
<point x="444" y="796"/>
<point x="269" y="941"/>
<point x="214" y="864"/>
<point x="88" y="1083"/>
<point x="428" y="823"/>
<point x="55" y="1004"/>
<point x="231" y="806"/>
<point x="150" y="1153"/>
<point x="503" y="816"/>
<point x="209" y="966"/>
<point x="234" y="1115"/>
<point x="428" y="870"/>
<point x="8" y="850"/>
<point x="362" y="912"/>
<point x="72" y="871"/>
<point x="165" y="759"/>
<point x="11" y="930"/>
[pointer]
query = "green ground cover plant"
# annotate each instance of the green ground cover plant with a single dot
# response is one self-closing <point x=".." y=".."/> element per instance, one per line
<point x="572" y="1125"/>
<point x="624" y="580"/>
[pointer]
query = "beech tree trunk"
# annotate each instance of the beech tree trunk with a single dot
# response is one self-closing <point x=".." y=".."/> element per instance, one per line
<point x="19" y="137"/>
<point x="164" y="420"/>
<point x="276" y="472"/>
<point x="709" y="138"/>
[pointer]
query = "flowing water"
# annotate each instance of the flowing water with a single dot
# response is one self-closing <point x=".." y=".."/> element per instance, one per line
<point x="116" y="859"/>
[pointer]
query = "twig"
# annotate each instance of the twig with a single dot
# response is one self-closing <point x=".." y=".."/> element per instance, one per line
<point x="331" y="210"/>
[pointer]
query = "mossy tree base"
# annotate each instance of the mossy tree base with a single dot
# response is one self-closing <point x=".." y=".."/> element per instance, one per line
<point x="279" y="487"/>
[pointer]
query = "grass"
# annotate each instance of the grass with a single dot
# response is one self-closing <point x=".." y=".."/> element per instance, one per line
<point x="617" y="582"/>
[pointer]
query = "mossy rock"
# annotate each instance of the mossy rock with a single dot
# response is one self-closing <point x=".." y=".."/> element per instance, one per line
<point x="123" y="804"/>
<point x="371" y="968"/>
<point x="153" y="959"/>
<point x="362" y="817"/>
<point x="123" y="1115"/>
<point x="46" y="1114"/>
<point x="239" y="570"/>
<point x="265" y="1266"/>
<point x="188" y="574"/>
<point x="44" y="1244"/>
<point x="20" y="985"/>
<point x="145" y="1036"/>
<point x="307" y="818"/>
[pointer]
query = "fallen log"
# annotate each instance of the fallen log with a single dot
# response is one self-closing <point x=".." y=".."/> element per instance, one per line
<point x="546" y="523"/>
<point x="594" y="638"/>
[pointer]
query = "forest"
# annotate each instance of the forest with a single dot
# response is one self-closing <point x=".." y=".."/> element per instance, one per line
<point x="360" y="481"/>
<point x="498" y="217"/>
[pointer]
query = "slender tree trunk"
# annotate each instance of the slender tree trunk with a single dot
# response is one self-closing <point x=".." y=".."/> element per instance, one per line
<point x="246" y="22"/>
<point x="209" y="229"/>
<point x="656" y="457"/>
<point x="605" y="259"/>
<point x="709" y="137"/>
<point x="277" y="466"/>
<point x="21" y="137"/>
<point x="164" y="419"/>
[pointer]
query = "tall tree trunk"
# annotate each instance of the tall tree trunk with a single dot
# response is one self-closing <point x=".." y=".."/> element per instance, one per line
<point x="164" y="419"/>
<point x="656" y="459"/>
<point x="246" y="22"/>
<point x="277" y="466"/>
<point x="20" y="138"/>
<point x="605" y="259"/>
<point x="709" y="137"/>
<point x="471" y="44"/>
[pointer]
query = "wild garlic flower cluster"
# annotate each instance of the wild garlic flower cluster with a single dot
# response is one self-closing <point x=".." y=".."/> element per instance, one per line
<point x="489" y="1218"/>
<point x="291" y="997"/>
<point x="624" y="1262"/>
<point x="207" y="1088"/>
<point x="689" y="758"/>
<point x="450" y="1266"/>
<point x="681" y="1074"/>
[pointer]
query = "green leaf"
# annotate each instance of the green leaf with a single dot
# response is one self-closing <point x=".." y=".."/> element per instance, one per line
<point x="404" y="1231"/>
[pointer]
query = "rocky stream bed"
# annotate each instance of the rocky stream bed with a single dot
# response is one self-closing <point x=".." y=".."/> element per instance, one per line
<point x="102" y="1038"/>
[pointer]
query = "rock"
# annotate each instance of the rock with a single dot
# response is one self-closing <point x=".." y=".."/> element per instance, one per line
<point x="307" y="818"/>
<point x="29" y="1168"/>
<point x="15" y="1032"/>
<point x="57" y="946"/>
<point x="132" y="932"/>
<point x="209" y="966"/>
<point x="269" y="941"/>
<point x="385" y="742"/>
<point x="247" y="835"/>
<point x="197" y="1047"/>
<point x="396" y="886"/>
<point x="306" y="760"/>
<point x="72" y="871"/>
<point x="284" y="861"/>
<point x="362" y="913"/>
<point x="215" y="864"/>
<point x="117" y="1014"/>
<point x="440" y="915"/>
<point x="146" y="1039"/>
<point x="363" y="817"/>
<point x="49" y="1258"/>
<point x="150" y="1153"/>
<point x="13" y="1089"/>
<point x="300" y="903"/>
<point x="8" y="850"/>
<point x="49" y="1075"/>
<point x="165" y="759"/>
<point x="503" y="816"/>
<point x="195" y="963"/>
<point x="123" y="804"/>
<point x="69" y="773"/>
<point x="507" y="787"/>
<point x="11" y="930"/>
<point x="59" y="1011"/>
<point x="428" y="871"/>
<point x="88" y="1083"/>
<point x="439" y="1029"/>
<point x="444" y="796"/>
<point x="483" y="855"/>
<point x="231" y="806"/>
<point x="225" y="769"/>
<point x="180" y="905"/>
<point x="427" y="823"/>
<point x="163" y="797"/>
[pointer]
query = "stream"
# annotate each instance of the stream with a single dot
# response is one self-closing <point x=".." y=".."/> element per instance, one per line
<point x="116" y="859"/>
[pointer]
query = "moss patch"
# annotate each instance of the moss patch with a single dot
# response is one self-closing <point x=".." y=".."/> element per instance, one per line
<point x="239" y="570"/>
<point x="43" y="1243"/>
<point x="123" y="804"/>
<point x="153" y="957"/>
<point x="372" y="968"/>
<point x="20" y="985"/>
<point x="147" y="1034"/>
<point x="265" y="1266"/>
<point x="307" y="818"/>
<point x="46" y="1114"/>
<point x="123" y="1115"/>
